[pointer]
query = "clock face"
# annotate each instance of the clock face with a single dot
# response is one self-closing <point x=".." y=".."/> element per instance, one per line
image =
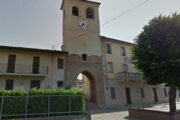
<point x="83" y="24"/>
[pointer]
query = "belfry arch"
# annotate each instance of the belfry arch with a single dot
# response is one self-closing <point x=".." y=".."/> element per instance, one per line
<point x="92" y="69"/>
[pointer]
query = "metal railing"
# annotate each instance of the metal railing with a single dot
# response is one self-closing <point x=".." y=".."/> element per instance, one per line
<point x="123" y="76"/>
<point x="23" y="69"/>
<point x="12" y="107"/>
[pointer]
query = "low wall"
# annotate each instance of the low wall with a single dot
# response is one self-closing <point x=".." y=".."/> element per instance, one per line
<point x="73" y="117"/>
<point x="153" y="115"/>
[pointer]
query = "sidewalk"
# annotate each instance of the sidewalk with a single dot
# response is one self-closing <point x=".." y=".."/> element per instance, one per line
<point x="121" y="113"/>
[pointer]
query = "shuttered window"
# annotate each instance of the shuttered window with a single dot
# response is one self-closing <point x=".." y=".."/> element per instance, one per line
<point x="36" y="62"/>
<point x="60" y="63"/>
<point x="112" y="90"/>
<point x="11" y="64"/>
<point x="9" y="84"/>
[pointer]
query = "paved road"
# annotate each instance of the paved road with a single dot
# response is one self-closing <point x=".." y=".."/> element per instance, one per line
<point x="119" y="113"/>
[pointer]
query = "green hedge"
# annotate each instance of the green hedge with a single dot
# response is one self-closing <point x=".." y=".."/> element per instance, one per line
<point x="42" y="101"/>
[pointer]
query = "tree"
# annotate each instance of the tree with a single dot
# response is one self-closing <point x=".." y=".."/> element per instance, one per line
<point x="157" y="53"/>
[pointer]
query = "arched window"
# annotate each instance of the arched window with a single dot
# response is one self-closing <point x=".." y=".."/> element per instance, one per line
<point x="75" y="11"/>
<point x="89" y="13"/>
<point x="84" y="57"/>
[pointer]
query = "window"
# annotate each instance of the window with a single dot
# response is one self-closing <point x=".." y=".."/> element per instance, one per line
<point x="35" y="84"/>
<point x="108" y="49"/>
<point x="84" y="57"/>
<point x="60" y="63"/>
<point x="75" y="11"/>
<point x="11" y="64"/>
<point x="123" y="51"/>
<point x="36" y="62"/>
<point x="110" y="67"/>
<point x="89" y="13"/>
<point x="165" y="92"/>
<point x="124" y="68"/>
<point x="9" y="84"/>
<point x="59" y="84"/>
<point x="112" y="90"/>
<point x="142" y="92"/>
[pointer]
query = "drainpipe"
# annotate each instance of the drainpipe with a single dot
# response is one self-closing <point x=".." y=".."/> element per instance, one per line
<point x="106" y="73"/>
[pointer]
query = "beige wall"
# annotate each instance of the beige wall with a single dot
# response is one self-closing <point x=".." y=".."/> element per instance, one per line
<point x="120" y="86"/>
<point x="118" y="60"/>
<point x="25" y="58"/>
<point x="135" y="93"/>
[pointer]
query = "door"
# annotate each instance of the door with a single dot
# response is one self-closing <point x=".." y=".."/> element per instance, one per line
<point x="155" y="95"/>
<point x="35" y="69"/>
<point x="128" y="95"/>
<point x="11" y="64"/>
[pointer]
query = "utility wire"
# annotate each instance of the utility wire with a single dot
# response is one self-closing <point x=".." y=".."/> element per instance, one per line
<point x="124" y="13"/>
<point x="115" y="18"/>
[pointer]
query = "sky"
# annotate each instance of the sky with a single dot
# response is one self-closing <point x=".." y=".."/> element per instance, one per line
<point x="38" y="23"/>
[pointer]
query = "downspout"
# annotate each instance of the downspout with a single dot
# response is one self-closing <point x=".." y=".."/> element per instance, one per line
<point x="106" y="73"/>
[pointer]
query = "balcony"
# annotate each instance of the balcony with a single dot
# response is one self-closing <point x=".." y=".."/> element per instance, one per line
<point x="125" y="76"/>
<point x="22" y="70"/>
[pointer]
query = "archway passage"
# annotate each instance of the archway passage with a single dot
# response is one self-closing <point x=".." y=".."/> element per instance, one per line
<point x="86" y="82"/>
<point x="92" y="69"/>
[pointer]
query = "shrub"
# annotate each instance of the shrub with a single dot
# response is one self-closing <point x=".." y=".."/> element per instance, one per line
<point x="42" y="101"/>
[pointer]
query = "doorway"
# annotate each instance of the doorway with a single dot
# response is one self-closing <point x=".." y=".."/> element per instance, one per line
<point x="155" y="95"/>
<point x="128" y="95"/>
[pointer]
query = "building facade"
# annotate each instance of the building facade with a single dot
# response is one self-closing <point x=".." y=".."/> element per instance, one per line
<point x="101" y="66"/>
<point x="25" y="68"/>
<point x="124" y="84"/>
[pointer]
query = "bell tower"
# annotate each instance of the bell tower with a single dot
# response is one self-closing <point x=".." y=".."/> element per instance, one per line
<point x="81" y="39"/>
<point x="81" y="31"/>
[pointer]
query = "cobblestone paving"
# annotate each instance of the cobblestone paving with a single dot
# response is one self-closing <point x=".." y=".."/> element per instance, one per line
<point x="119" y="113"/>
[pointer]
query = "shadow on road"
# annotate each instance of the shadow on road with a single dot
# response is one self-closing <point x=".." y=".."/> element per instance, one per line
<point x="118" y="109"/>
<point x="130" y="118"/>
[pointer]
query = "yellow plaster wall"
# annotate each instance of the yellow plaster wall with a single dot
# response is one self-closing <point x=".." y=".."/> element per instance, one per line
<point x="77" y="41"/>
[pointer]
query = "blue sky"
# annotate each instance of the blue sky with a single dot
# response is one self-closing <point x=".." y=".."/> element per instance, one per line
<point x="38" y="23"/>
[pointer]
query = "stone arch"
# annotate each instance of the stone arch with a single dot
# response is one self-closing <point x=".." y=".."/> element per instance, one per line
<point x="90" y="84"/>
<point x="90" y="69"/>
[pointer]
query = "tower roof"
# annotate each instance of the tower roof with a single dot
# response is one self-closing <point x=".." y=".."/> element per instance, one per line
<point x="82" y="0"/>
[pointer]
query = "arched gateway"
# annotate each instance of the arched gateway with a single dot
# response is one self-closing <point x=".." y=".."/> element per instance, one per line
<point x="92" y="70"/>
<point x="86" y="82"/>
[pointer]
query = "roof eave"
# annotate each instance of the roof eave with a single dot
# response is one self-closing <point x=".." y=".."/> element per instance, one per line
<point x="82" y="0"/>
<point x="33" y="49"/>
